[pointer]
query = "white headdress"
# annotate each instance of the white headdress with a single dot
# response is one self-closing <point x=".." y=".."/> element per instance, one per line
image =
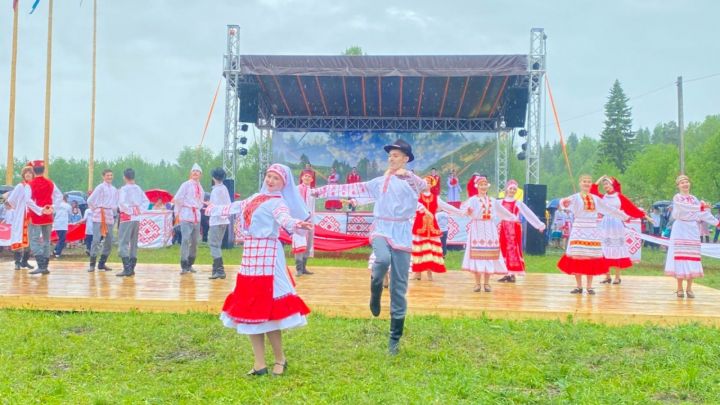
<point x="289" y="192"/>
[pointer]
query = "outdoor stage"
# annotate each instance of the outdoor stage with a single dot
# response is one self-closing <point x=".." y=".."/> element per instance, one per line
<point x="345" y="292"/>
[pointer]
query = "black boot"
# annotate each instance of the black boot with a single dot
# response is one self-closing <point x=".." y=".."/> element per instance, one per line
<point x="191" y="261"/>
<point x="396" y="331"/>
<point x="101" y="263"/>
<point x="298" y="267"/>
<point x="133" y="262"/>
<point x="24" y="263"/>
<point x="304" y="267"/>
<point x="126" y="268"/>
<point x="218" y="269"/>
<point x="91" y="266"/>
<point x="376" y="289"/>
<point x="42" y="263"/>
<point x="17" y="255"/>
<point x="184" y="266"/>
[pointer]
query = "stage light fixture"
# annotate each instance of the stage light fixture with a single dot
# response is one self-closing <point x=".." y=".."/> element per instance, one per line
<point x="242" y="151"/>
<point x="521" y="156"/>
<point x="524" y="146"/>
<point x="522" y="133"/>
<point x="244" y="127"/>
<point x="243" y="140"/>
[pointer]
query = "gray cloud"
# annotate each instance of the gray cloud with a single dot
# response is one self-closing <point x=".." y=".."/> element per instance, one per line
<point x="160" y="61"/>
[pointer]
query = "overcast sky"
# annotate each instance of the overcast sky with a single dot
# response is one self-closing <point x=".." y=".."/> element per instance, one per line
<point x="159" y="61"/>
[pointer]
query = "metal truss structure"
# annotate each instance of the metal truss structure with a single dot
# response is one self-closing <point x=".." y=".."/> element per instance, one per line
<point x="231" y="71"/>
<point x="393" y="124"/>
<point x="268" y="123"/>
<point x="504" y="145"/>
<point x="534" y="124"/>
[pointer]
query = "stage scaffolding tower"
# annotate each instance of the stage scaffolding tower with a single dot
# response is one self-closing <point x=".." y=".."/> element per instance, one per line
<point x="503" y="151"/>
<point x="231" y="70"/>
<point x="536" y="70"/>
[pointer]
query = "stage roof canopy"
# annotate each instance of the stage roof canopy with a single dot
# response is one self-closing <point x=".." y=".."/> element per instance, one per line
<point x="411" y="93"/>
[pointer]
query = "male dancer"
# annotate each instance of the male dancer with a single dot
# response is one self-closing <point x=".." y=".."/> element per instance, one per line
<point x="103" y="202"/>
<point x="132" y="202"/>
<point x="218" y="223"/>
<point x="43" y="195"/>
<point x="188" y="202"/>
<point x="303" y="244"/>
<point x="396" y="194"/>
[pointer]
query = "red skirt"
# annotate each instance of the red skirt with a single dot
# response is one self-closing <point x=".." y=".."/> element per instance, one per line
<point x="252" y="301"/>
<point x="510" y="236"/>
<point x="621" y="263"/>
<point x="583" y="266"/>
<point x="427" y="255"/>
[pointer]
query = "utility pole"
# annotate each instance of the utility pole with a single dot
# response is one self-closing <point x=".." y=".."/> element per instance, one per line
<point x="681" y="125"/>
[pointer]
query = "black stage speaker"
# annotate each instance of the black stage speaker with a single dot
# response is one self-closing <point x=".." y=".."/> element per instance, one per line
<point x="248" y="102"/>
<point x="516" y="109"/>
<point x="535" y="195"/>
<point x="229" y="239"/>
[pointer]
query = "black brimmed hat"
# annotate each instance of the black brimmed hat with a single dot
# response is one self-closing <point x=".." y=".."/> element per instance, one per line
<point x="402" y="146"/>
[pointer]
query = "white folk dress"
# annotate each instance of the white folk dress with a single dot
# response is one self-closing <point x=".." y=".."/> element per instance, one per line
<point x="482" y="250"/>
<point x="683" y="255"/>
<point x="584" y="253"/>
<point x="264" y="299"/>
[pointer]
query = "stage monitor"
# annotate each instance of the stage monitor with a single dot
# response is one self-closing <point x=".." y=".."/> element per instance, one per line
<point x="516" y="109"/>
<point x="535" y="196"/>
<point x="248" y="102"/>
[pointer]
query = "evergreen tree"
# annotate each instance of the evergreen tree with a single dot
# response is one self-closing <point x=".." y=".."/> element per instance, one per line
<point x="617" y="140"/>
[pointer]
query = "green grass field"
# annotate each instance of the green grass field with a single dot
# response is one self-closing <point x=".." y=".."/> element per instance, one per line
<point x="71" y="357"/>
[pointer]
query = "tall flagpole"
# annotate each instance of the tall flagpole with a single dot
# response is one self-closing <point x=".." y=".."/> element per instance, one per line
<point x="11" y="120"/>
<point x="91" y="160"/>
<point x="48" y="83"/>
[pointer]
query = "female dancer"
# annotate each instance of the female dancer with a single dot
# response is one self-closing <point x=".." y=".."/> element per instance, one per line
<point x="511" y="233"/>
<point x="427" y="253"/>
<point x="18" y="217"/>
<point x="614" y="248"/>
<point x="683" y="255"/>
<point x="482" y="251"/>
<point x="584" y="253"/>
<point x="264" y="301"/>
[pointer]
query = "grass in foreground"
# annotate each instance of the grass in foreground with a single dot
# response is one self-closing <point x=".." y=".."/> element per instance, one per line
<point x="54" y="357"/>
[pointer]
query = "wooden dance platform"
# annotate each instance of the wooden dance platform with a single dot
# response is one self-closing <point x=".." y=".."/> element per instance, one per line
<point x="345" y="292"/>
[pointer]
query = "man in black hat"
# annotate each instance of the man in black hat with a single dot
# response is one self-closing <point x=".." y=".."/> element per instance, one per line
<point x="395" y="195"/>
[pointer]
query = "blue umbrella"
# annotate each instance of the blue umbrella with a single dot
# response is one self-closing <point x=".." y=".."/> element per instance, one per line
<point x="554" y="203"/>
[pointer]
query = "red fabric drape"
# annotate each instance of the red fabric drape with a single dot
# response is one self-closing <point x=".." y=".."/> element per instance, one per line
<point x="329" y="241"/>
<point x="75" y="233"/>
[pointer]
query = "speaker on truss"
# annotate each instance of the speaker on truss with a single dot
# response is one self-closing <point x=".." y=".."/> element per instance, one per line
<point x="248" y="102"/>
<point x="229" y="238"/>
<point x="516" y="108"/>
<point x="535" y="195"/>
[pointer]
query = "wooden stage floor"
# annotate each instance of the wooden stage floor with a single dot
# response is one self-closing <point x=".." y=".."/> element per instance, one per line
<point x="345" y="292"/>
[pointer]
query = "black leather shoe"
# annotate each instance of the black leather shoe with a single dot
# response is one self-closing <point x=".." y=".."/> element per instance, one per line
<point x="262" y="371"/>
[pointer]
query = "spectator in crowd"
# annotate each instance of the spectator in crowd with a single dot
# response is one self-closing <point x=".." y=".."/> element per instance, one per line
<point x="656" y="221"/>
<point x="717" y="230"/>
<point x="159" y="205"/>
<point x="60" y="225"/>
<point x="88" y="221"/>
<point x="205" y="219"/>
<point x="75" y="213"/>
